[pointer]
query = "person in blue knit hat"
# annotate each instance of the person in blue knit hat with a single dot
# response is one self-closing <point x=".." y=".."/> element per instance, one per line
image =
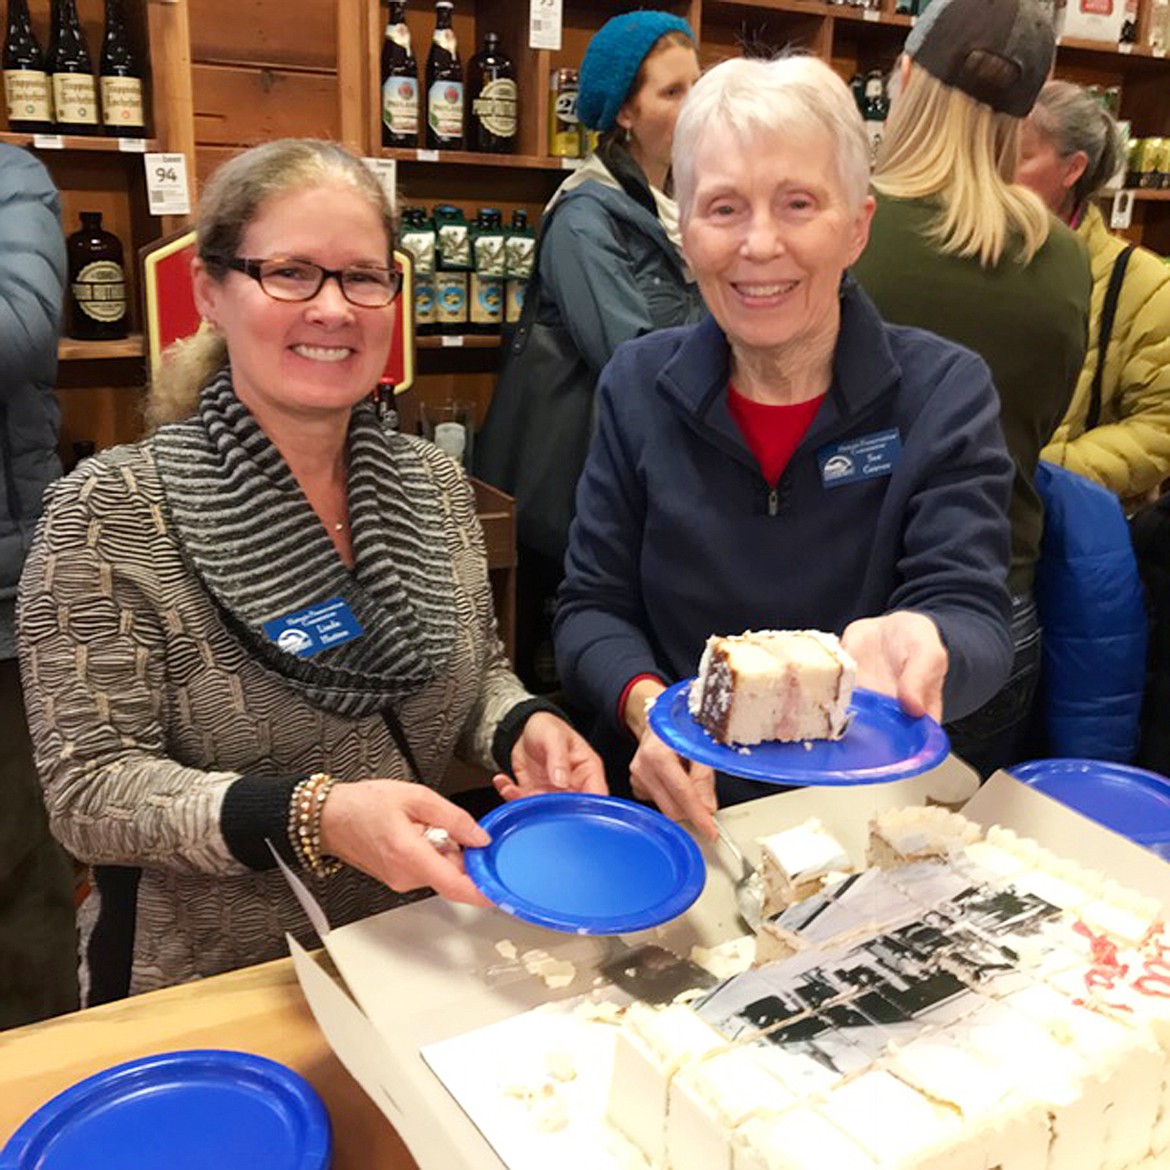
<point x="609" y="269"/>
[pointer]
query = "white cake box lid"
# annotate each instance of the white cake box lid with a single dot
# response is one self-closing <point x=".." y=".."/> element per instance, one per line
<point x="431" y="970"/>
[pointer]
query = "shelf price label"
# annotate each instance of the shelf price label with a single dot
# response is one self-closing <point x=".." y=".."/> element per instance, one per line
<point x="1121" y="213"/>
<point x="386" y="172"/>
<point x="166" y="184"/>
<point x="48" y="142"/>
<point x="544" y="24"/>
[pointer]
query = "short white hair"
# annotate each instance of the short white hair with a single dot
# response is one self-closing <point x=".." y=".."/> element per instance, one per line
<point x="764" y="100"/>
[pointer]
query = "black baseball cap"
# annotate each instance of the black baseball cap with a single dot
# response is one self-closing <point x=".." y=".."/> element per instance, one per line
<point x="997" y="51"/>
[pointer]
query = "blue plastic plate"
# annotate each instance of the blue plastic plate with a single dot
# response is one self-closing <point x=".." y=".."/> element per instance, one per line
<point x="883" y="743"/>
<point x="1130" y="801"/>
<point x="586" y="864"/>
<point x="182" y="1110"/>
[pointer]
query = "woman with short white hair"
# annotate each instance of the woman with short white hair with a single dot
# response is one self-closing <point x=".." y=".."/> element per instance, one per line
<point x="960" y="249"/>
<point x="792" y="461"/>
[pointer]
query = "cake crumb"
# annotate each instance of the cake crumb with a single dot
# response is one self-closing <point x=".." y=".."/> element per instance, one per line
<point x="556" y="973"/>
<point x="506" y="949"/>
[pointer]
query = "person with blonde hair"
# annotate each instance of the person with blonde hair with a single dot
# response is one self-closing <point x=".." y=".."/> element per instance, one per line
<point x="792" y="461"/>
<point x="958" y="248"/>
<point x="268" y="627"/>
<point x="1117" y="429"/>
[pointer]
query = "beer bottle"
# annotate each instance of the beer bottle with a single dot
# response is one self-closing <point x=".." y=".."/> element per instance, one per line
<point x="69" y="64"/>
<point x="519" y="260"/>
<point x="97" y="282"/>
<point x="26" y="84"/>
<point x="444" y="84"/>
<point x="564" y="130"/>
<point x="399" y="82"/>
<point x="121" y="78"/>
<point x="486" y="299"/>
<point x="453" y="262"/>
<point x="418" y="238"/>
<point x="875" y="108"/>
<point x="491" y="99"/>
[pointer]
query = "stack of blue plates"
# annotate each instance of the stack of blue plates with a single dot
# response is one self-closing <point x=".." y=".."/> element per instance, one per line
<point x="199" y="1110"/>
<point x="1130" y="801"/>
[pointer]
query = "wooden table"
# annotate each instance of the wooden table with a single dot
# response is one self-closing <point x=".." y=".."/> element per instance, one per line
<point x="258" y="1009"/>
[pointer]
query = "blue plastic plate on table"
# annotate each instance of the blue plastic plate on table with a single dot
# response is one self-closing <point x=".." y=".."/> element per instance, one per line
<point x="181" y="1110"/>
<point x="883" y="743"/>
<point x="1128" y="800"/>
<point x="586" y="864"/>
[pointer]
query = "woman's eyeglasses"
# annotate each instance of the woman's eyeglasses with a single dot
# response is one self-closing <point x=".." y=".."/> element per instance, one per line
<point x="298" y="280"/>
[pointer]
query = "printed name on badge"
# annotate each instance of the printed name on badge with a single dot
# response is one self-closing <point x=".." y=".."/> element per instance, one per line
<point x="867" y="457"/>
<point x="313" y="629"/>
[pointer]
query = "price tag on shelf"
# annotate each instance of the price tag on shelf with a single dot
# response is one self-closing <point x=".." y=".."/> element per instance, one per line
<point x="1121" y="214"/>
<point x="452" y="340"/>
<point x="48" y="142"/>
<point x="386" y="172"/>
<point x="132" y="145"/>
<point x="1124" y="47"/>
<point x="572" y="164"/>
<point x="427" y="155"/>
<point x="544" y="24"/>
<point x="871" y="14"/>
<point x="166" y="184"/>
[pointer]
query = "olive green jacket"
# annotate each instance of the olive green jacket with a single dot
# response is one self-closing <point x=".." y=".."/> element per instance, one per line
<point x="1129" y="450"/>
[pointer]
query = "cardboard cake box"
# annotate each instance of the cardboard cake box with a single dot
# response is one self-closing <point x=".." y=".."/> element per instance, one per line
<point x="430" y="972"/>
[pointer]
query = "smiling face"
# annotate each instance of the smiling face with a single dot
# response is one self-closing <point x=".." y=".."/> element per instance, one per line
<point x="312" y="357"/>
<point x="650" y="115"/>
<point x="768" y="234"/>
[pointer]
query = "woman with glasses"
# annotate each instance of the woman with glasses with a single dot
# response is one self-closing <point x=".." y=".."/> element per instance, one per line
<point x="266" y="629"/>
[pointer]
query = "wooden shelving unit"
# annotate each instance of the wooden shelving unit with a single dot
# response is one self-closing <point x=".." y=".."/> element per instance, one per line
<point x="71" y="350"/>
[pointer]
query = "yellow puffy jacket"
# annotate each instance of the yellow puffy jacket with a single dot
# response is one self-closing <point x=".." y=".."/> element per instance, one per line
<point x="1129" y="450"/>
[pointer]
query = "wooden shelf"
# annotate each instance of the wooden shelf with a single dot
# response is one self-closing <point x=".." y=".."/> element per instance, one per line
<point x="1109" y="48"/>
<point x="463" y="340"/>
<point x="464" y="158"/>
<point x="1155" y="195"/>
<point x="79" y="142"/>
<point x="819" y="8"/>
<point x="70" y="350"/>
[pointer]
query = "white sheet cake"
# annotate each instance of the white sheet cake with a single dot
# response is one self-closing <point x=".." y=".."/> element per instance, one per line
<point x="975" y="1003"/>
<point x="764" y="685"/>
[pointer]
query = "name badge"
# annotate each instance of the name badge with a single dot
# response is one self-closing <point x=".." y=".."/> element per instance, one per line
<point x="867" y="457"/>
<point x="313" y="629"/>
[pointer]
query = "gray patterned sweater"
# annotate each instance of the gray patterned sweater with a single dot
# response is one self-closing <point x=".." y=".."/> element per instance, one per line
<point x="144" y="710"/>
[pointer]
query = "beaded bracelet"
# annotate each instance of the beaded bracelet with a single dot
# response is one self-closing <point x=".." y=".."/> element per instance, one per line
<point x="304" y="824"/>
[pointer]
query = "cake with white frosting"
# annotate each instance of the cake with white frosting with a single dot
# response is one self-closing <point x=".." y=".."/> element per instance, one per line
<point x="763" y="685"/>
<point x="976" y="1003"/>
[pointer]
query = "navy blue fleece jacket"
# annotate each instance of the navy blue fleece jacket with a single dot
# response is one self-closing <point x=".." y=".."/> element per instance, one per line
<point x="678" y="535"/>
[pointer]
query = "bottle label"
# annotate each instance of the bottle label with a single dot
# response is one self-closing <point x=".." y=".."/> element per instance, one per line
<point x="489" y="255"/>
<point x="519" y="256"/>
<point x="495" y="107"/>
<point x="487" y="299"/>
<point x="451" y="298"/>
<point x="400" y="105"/>
<point x="454" y="246"/>
<point x="122" y="102"/>
<point x="421" y="246"/>
<point x="100" y="291"/>
<point x="445" y="109"/>
<point x="399" y="34"/>
<point x="75" y="99"/>
<point x="514" y="300"/>
<point x="424" y="302"/>
<point x="27" y="91"/>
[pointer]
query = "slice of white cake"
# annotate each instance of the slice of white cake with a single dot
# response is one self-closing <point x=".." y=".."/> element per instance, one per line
<point x="795" y="862"/>
<point x="917" y="833"/>
<point x="765" y="685"/>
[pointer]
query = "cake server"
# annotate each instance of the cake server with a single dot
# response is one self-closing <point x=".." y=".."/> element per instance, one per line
<point x="653" y="974"/>
<point x="749" y="886"/>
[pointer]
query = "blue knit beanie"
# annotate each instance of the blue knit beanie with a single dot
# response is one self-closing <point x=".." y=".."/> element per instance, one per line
<point x="612" y="61"/>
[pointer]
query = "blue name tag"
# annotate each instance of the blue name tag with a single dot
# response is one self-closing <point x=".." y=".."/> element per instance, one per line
<point x="315" y="628"/>
<point x="868" y="457"/>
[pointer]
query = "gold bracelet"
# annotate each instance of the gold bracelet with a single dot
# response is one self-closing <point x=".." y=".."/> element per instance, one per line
<point x="304" y="824"/>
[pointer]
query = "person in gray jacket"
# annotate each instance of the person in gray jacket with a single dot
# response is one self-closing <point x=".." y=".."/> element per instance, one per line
<point x="38" y="948"/>
<point x="609" y="269"/>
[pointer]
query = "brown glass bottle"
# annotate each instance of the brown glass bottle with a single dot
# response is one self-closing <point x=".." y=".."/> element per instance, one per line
<point x="75" y="106"/>
<point x="121" y="78"/>
<point x="26" y="84"/>
<point x="97" y="282"/>
<point x="491" y="99"/>
<point x="399" y="82"/>
<point x="444" y="84"/>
